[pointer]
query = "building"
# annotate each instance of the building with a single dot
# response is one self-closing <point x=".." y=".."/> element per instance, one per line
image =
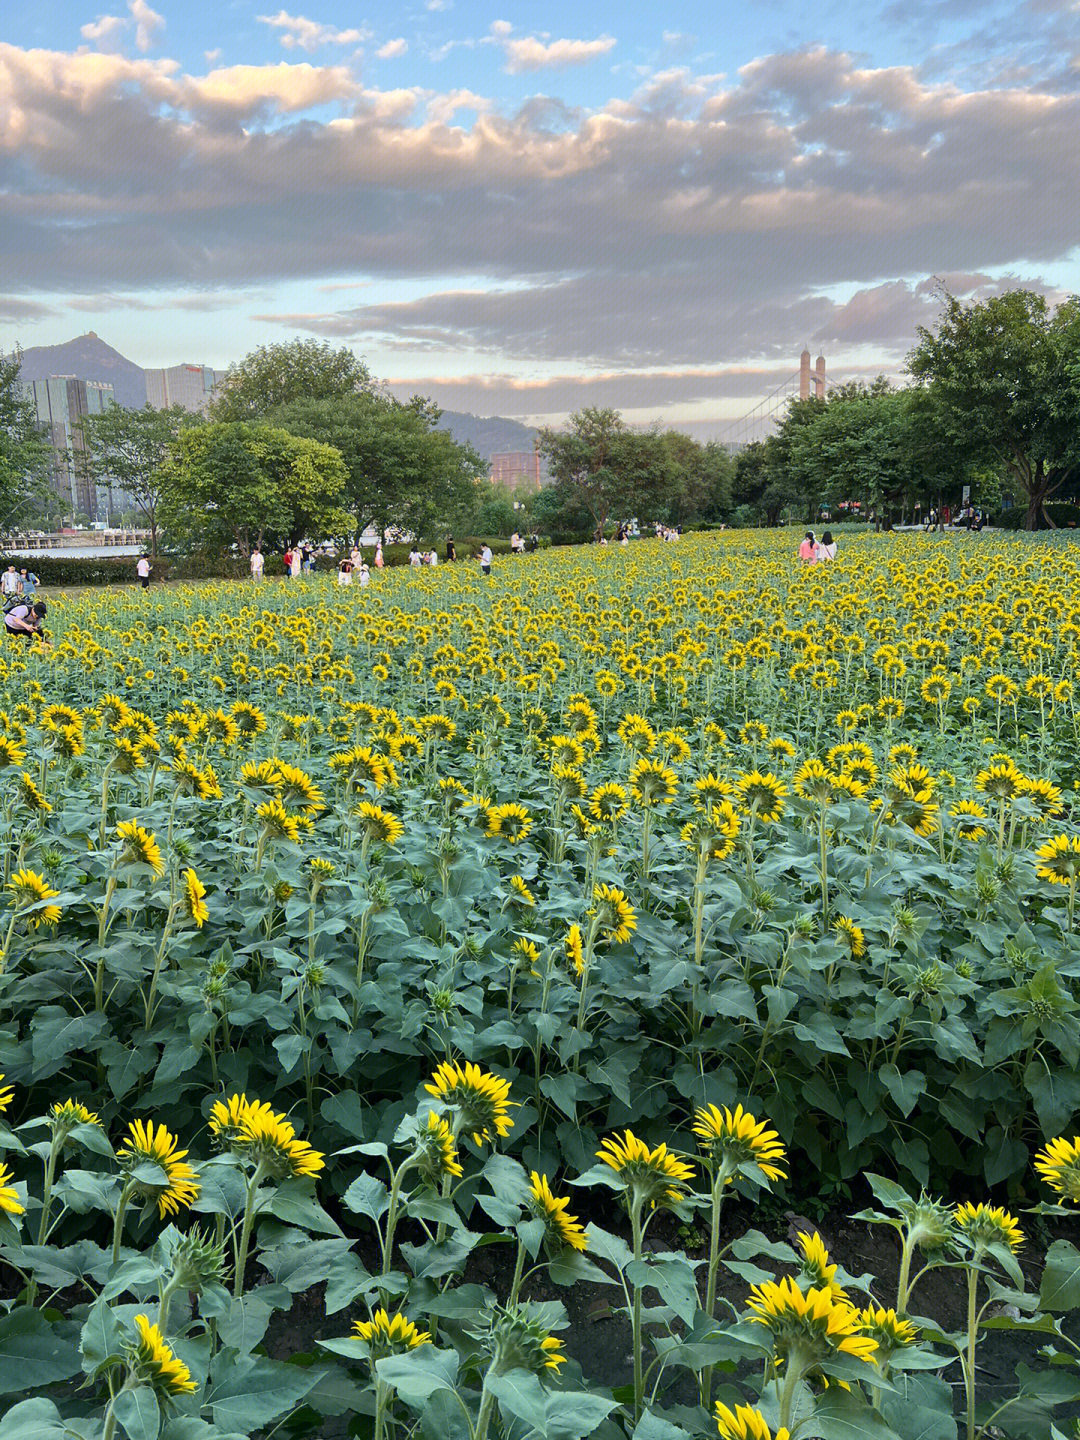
<point x="188" y="385"/>
<point x="61" y="401"/>
<point x="517" y="469"/>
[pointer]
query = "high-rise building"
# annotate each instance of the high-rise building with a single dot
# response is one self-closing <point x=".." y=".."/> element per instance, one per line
<point x="61" y="401"/>
<point x="188" y="385"/>
<point x="514" y="469"/>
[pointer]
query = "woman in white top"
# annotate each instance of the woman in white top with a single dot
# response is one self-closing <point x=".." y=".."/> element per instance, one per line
<point x="826" y="547"/>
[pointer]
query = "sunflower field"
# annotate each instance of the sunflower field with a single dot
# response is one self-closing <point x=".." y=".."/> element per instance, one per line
<point x="450" y="945"/>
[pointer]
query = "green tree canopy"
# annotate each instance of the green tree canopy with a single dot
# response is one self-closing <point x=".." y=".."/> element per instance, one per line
<point x="1004" y="376"/>
<point x="25" y="453"/>
<point x="131" y="447"/>
<point x="400" y="471"/>
<point x="245" y="484"/>
<point x="282" y="374"/>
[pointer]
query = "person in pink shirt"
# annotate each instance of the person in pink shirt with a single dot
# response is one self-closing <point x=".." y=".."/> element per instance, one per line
<point x="808" y="548"/>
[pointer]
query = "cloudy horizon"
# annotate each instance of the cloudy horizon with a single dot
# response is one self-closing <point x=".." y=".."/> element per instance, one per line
<point x="519" y="220"/>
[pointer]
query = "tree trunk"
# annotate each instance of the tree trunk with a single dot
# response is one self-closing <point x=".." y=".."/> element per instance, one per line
<point x="1037" y="488"/>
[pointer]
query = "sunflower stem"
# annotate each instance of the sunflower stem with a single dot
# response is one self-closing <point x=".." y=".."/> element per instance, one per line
<point x="636" y="1337"/>
<point x="969" y="1361"/>
<point x="718" y="1188"/>
<point x="158" y="959"/>
<point x="519" y="1271"/>
<point x="118" y="1219"/>
<point x="245" y="1230"/>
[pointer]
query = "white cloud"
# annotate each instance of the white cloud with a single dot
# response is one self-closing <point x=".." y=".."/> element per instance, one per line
<point x="109" y="31"/>
<point x="392" y="49"/>
<point x="300" y="33"/>
<point x="530" y="53"/>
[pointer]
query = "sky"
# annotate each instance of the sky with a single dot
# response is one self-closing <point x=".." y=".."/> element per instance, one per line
<point x="523" y="210"/>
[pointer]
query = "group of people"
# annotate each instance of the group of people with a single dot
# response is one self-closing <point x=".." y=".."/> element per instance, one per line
<point x="24" y="614"/>
<point x="520" y="544"/>
<point x="812" y="550"/>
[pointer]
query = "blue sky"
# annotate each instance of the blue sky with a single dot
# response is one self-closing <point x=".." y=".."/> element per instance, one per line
<point x="522" y="209"/>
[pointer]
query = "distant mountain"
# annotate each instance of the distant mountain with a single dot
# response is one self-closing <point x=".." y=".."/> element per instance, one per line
<point x="488" y="437"/>
<point x="89" y="358"/>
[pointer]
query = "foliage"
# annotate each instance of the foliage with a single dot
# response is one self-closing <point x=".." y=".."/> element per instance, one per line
<point x="1003" y="377"/>
<point x="130" y="448"/>
<point x="25" y="453"/>
<point x="638" y="832"/>
<point x="246" y="484"/>
<point x="285" y="374"/>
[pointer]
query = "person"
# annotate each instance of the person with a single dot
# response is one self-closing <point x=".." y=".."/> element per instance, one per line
<point x="142" y="569"/>
<point x="29" y="584"/>
<point x="515" y="541"/>
<point x="356" y="555"/>
<point x="433" y="556"/>
<point x="25" y="620"/>
<point x="286" y="560"/>
<point x="414" y="557"/>
<point x="808" y="548"/>
<point x="307" y="558"/>
<point x="344" y="570"/>
<point x="451" y="548"/>
<point x="258" y="560"/>
<point x="365" y="574"/>
<point x="295" y="561"/>
<point x="9" y="581"/>
<point x="379" y="561"/>
<point x="534" y="542"/>
<point x="827" y="547"/>
<point x="485" y="560"/>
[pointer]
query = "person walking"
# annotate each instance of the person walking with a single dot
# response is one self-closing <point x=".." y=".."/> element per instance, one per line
<point x="9" y="582"/>
<point x="485" y="560"/>
<point x="258" y="561"/>
<point x="142" y="570"/>
<point x="451" y="548"/>
<point x="379" y="561"/>
<point x="827" y="548"/>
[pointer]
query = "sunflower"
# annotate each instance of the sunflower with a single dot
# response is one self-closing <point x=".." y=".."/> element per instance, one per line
<point x="150" y="1146"/>
<point x="386" y="1334"/>
<point x="298" y="787"/>
<point x="762" y="794"/>
<point x="271" y="1141"/>
<point x="227" y="1117"/>
<point x="10" y="1204"/>
<point x="1058" y="1162"/>
<point x="140" y="847"/>
<point x="986" y="1225"/>
<point x="7" y="1094"/>
<point x="568" y="783"/>
<point x="712" y="789"/>
<point x="516" y="1340"/>
<point x="193" y="897"/>
<point x="648" y="1175"/>
<point x="64" y="1115"/>
<point x="851" y="935"/>
<point x="745" y="1423"/>
<point x="1060" y="860"/>
<point x="652" y="783"/>
<point x="154" y="1364"/>
<point x="574" y="949"/>
<point x="520" y="893"/>
<point x="567" y="750"/>
<point x="249" y="719"/>
<point x="969" y="815"/>
<point x="10" y="753"/>
<point x="815" y="1325"/>
<point x="890" y="1330"/>
<point x="379" y="824"/>
<point x="1001" y="780"/>
<point x="436" y="1153"/>
<point x="480" y="1098"/>
<point x="713" y="834"/>
<point x="278" y="824"/>
<point x="188" y="777"/>
<point x="31" y="894"/>
<point x="511" y="821"/>
<point x="817" y="1267"/>
<point x="1045" y="796"/>
<point x="733" y="1138"/>
<point x="30" y="797"/>
<point x="637" y="734"/>
<point x="525" y="952"/>
<point x="608" y="801"/>
<point x="561" y="1230"/>
<point x="616" y="916"/>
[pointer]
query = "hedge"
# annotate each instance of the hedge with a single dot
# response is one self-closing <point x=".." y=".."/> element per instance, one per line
<point x="1063" y="513"/>
<point x="72" y="570"/>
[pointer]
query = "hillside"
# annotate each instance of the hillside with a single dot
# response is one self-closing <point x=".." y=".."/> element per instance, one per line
<point x="488" y="437"/>
<point x="89" y="358"/>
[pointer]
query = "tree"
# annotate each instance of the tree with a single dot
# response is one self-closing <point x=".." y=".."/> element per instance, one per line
<point x="25" y="453"/>
<point x="130" y="447"/>
<point x="700" y="479"/>
<point x="277" y="375"/>
<point x="234" y="483"/>
<point x="401" y="473"/>
<point x="1004" y="376"/>
<point x="600" y="464"/>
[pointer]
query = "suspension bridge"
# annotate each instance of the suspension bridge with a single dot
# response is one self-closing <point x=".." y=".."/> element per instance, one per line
<point x="756" y="423"/>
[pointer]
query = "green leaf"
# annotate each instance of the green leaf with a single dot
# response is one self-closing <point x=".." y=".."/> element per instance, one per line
<point x="418" y="1374"/>
<point x="575" y="1415"/>
<point x="1060" y="1289"/>
<point x="139" y="1413"/>
<point x="923" y="1409"/>
<point x="32" y="1420"/>
<point x="843" y="1415"/>
<point x="519" y="1393"/>
<point x="905" y="1089"/>
<point x="652" y="1427"/>
<point x="254" y="1390"/>
<point x="367" y="1196"/>
<point x="675" y="1281"/>
<point x="33" y="1352"/>
<point x="443" y="1418"/>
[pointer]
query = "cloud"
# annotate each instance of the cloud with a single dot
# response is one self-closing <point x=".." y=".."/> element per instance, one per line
<point x="691" y="225"/>
<point x="14" y="311"/>
<point x="392" y="49"/>
<point x="108" y="32"/>
<point x="300" y="33"/>
<point x="530" y="53"/>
